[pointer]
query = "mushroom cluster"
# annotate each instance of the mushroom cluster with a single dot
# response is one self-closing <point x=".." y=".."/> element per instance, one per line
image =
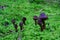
<point x="38" y="20"/>
<point x="41" y="20"/>
<point x="20" y="24"/>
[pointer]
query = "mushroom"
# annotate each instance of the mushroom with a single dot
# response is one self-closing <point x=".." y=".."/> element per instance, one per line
<point x="13" y="21"/>
<point x="35" y="18"/>
<point x="21" y="25"/>
<point x="41" y="20"/>
<point x="24" y="19"/>
<point x="16" y="26"/>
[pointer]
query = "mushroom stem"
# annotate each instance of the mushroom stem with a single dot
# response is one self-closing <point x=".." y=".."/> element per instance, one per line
<point x="21" y="28"/>
<point x="21" y="25"/>
<point x="24" y="22"/>
<point x="35" y="22"/>
<point x="35" y="18"/>
<point x="16" y="30"/>
<point x="44" y="25"/>
<point x="41" y="27"/>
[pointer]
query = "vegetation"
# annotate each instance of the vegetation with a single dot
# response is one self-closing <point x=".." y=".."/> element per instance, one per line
<point x="17" y="9"/>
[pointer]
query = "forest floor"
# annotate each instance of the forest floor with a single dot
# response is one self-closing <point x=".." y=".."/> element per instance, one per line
<point x="18" y="9"/>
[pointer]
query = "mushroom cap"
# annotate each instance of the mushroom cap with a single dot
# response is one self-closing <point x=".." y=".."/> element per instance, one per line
<point x="24" y="18"/>
<point x="13" y="21"/>
<point x="43" y="16"/>
<point x="21" y="24"/>
<point x="35" y="17"/>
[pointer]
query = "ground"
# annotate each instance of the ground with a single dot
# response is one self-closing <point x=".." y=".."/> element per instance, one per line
<point x="22" y="8"/>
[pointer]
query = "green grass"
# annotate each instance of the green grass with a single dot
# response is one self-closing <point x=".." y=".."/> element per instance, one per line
<point x="23" y="8"/>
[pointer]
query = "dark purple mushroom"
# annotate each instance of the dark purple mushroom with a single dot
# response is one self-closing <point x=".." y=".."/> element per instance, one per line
<point x="13" y="21"/>
<point x="35" y="18"/>
<point x="21" y="25"/>
<point x="16" y="26"/>
<point x="41" y="21"/>
<point x="43" y="16"/>
<point x="24" y="19"/>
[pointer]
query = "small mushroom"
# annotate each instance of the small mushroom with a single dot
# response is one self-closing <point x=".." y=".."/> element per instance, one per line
<point x="16" y="26"/>
<point x="24" y="19"/>
<point x="35" y="18"/>
<point x="41" y="21"/>
<point x="21" y="25"/>
<point x="13" y="21"/>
